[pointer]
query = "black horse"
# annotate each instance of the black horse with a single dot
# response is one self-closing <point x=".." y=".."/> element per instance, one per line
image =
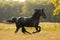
<point x="33" y="21"/>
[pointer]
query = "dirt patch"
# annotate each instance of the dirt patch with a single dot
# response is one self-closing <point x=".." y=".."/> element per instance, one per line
<point x="43" y="35"/>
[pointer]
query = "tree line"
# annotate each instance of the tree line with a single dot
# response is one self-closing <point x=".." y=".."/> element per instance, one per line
<point x="16" y="9"/>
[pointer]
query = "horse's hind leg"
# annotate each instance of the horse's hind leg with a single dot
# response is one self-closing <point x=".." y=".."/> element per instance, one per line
<point x="38" y="29"/>
<point x="24" y="30"/>
<point x="17" y="28"/>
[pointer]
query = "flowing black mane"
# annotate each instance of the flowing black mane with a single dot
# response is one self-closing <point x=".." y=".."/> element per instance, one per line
<point x="29" y="22"/>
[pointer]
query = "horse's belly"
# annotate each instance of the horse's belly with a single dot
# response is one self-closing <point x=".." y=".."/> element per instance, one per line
<point x="29" y="24"/>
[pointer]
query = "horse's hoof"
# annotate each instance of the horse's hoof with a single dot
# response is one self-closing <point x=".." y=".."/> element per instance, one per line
<point x="15" y="32"/>
<point x="24" y="32"/>
<point x="29" y="33"/>
<point x="34" y="32"/>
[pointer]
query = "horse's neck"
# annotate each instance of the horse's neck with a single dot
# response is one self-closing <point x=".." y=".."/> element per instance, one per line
<point x="36" y="16"/>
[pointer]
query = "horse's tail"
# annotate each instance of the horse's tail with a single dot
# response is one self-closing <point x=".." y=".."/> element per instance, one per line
<point x="13" y="20"/>
<point x="7" y="21"/>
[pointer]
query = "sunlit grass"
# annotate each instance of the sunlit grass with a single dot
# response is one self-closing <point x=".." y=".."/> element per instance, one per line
<point x="50" y="31"/>
<point x="44" y="26"/>
<point x="5" y="27"/>
<point x="50" y="26"/>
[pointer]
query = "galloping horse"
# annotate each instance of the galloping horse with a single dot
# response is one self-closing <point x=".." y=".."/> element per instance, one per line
<point x="29" y="22"/>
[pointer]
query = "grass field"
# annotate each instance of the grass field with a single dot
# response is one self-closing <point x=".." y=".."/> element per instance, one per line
<point x="49" y="31"/>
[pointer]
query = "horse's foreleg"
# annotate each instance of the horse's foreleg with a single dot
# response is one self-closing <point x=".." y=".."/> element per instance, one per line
<point x="38" y="29"/>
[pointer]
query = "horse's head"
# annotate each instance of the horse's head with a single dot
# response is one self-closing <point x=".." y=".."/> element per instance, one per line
<point x="41" y="12"/>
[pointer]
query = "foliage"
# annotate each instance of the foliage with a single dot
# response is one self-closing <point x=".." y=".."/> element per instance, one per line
<point x="9" y="9"/>
<point x="57" y="6"/>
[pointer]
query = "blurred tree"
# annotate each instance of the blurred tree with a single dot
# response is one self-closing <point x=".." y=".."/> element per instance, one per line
<point x="9" y="9"/>
<point x="29" y="5"/>
<point x="15" y="8"/>
<point x="57" y="6"/>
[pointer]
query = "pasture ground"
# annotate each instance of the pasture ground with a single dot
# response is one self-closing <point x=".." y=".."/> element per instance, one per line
<point x="49" y="31"/>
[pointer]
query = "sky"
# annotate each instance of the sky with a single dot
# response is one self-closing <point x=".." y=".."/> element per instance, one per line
<point x="15" y="0"/>
<point x="19" y="0"/>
